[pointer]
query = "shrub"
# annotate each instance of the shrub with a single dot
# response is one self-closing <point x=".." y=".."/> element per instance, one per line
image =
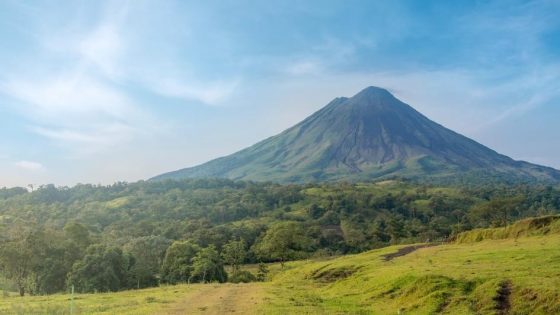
<point x="242" y="276"/>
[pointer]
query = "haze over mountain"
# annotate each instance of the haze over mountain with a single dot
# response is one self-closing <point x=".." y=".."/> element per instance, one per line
<point x="371" y="135"/>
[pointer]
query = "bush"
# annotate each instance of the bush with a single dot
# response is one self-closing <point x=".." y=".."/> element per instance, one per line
<point x="242" y="276"/>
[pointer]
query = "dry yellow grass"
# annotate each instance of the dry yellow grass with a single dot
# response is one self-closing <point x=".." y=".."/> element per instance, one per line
<point x="166" y="300"/>
<point x="221" y="299"/>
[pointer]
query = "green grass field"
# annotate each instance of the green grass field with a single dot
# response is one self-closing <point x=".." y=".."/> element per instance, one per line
<point x="483" y="272"/>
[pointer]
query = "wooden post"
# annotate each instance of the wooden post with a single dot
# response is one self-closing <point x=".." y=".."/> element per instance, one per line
<point x="72" y="302"/>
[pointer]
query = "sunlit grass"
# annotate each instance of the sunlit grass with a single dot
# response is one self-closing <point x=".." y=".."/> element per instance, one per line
<point x="147" y="301"/>
<point x="451" y="279"/>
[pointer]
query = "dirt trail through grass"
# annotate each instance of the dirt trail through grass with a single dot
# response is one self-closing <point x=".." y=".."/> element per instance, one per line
<point x="405" y="251"/>
<point x="221" y="299"/>
<point x="502" y="298"/>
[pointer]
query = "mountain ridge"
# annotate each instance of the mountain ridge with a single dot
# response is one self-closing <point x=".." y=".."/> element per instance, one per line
<point x="371" y="135"/>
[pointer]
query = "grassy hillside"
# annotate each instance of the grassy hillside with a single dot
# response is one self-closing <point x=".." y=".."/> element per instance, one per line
<point x="505" y="276"/>
<point x="528" y="227"/>
<point x="492" y="275"/>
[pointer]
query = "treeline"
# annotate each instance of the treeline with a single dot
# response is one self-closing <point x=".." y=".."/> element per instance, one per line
<point x="43" y="261"/>
<point x="109" y="238"/>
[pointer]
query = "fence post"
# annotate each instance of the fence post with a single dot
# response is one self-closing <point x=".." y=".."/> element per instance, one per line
<point x="72" y="302"/>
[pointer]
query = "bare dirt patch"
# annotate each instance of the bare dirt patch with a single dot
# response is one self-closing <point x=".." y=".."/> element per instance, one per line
<point x="405" y="251"/>
<point x="502" y="298"/>
<point x="221" y="299"/>
<point x="328" y="275"/>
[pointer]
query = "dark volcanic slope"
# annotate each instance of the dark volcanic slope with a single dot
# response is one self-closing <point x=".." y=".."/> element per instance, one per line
<point x="371" y="135"/>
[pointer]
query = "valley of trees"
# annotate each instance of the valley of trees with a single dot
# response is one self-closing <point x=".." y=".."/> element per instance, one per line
<point x="123" y="236"/>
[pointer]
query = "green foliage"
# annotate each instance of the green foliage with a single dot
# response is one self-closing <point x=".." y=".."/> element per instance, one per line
<point x="148" y="253"/>
<point x="262" y="273"/>
<point x="102" y="269"/>
<point x="208" y="265"/>
<point x="283" y="241"/>
<point x="454" y="278"/>
<point x="234" y="254"/>
<point x="54" y="257"/>
<point x="78" y="234"/>
<point x="242" y="276"/>
<point x="11" y="192"/>
<point x="275" y="222"/>
<point x="528" y="227"/>
<point x="497" y="211"/>
<point x="177" y="264"/>
<point x="17" y="261"/>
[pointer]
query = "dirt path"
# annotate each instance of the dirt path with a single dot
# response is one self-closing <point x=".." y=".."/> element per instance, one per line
<point x="502" y="298"/>
<point x="221" y="299"/>
<point x="405" y="251"/>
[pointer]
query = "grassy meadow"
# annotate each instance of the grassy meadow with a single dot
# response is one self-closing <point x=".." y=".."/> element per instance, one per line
<point x="515" y="270"/>
<point x="165" y="300"/>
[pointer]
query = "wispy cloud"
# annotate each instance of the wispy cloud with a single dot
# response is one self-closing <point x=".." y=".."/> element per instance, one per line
<point x="67" y="94"/>
<point x="30" y="165"/>
<point x="211" y="93"/>
<point x="81" y="105"/>
<point x="99" y="49"/>
<point x="103" y="48"/>
<point x="534" y="101"/>
<point x="80" y="113"/>
<point x="304" y="67"/>
<point x="95" y="137"/>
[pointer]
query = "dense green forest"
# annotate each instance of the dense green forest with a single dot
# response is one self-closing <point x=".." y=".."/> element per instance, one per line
<point x="109" y="238"/>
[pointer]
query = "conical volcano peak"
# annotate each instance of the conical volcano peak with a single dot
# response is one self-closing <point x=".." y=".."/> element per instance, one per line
<point x="374" y="98"/>
<point x="370" y="135"/>
<point x="374" y="90"/>
<point x="375" y="95"/>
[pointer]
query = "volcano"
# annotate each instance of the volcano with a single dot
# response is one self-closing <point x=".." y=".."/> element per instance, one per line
<point x="369" y="136"/>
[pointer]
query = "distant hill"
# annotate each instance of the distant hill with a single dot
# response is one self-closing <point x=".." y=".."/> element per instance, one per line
<point x="371" y="135"/>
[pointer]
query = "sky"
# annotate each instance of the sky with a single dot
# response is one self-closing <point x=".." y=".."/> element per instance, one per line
<point x="106" y="91"/>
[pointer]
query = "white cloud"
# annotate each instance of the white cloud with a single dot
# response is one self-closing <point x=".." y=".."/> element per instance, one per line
<point x="520" y="108"/>
<point x="303" y="68"/>
<point x="99" y="49"/>
<point x="103" y="48"/>
<point x="67" y="94"/>
<point x="82" y="105"/>
<point x="102" y="135"/>
<point x="30" y="165"/>
<point x="80" y="114"/>
<point x="211" y="94"/>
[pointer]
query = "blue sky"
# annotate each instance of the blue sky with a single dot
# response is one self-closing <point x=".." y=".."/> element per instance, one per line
<point x="105" y="91"/>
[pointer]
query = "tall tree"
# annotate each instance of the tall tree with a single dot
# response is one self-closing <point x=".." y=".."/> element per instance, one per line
<point x="102" y="269"/>
<point x="148" y="253"/>
<point x="208" y="265"/>
<point x="177" y="264"/>
<point x="283" y="241"/>
<point x="17" y="263"/>
<point x="234" y="254"/>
